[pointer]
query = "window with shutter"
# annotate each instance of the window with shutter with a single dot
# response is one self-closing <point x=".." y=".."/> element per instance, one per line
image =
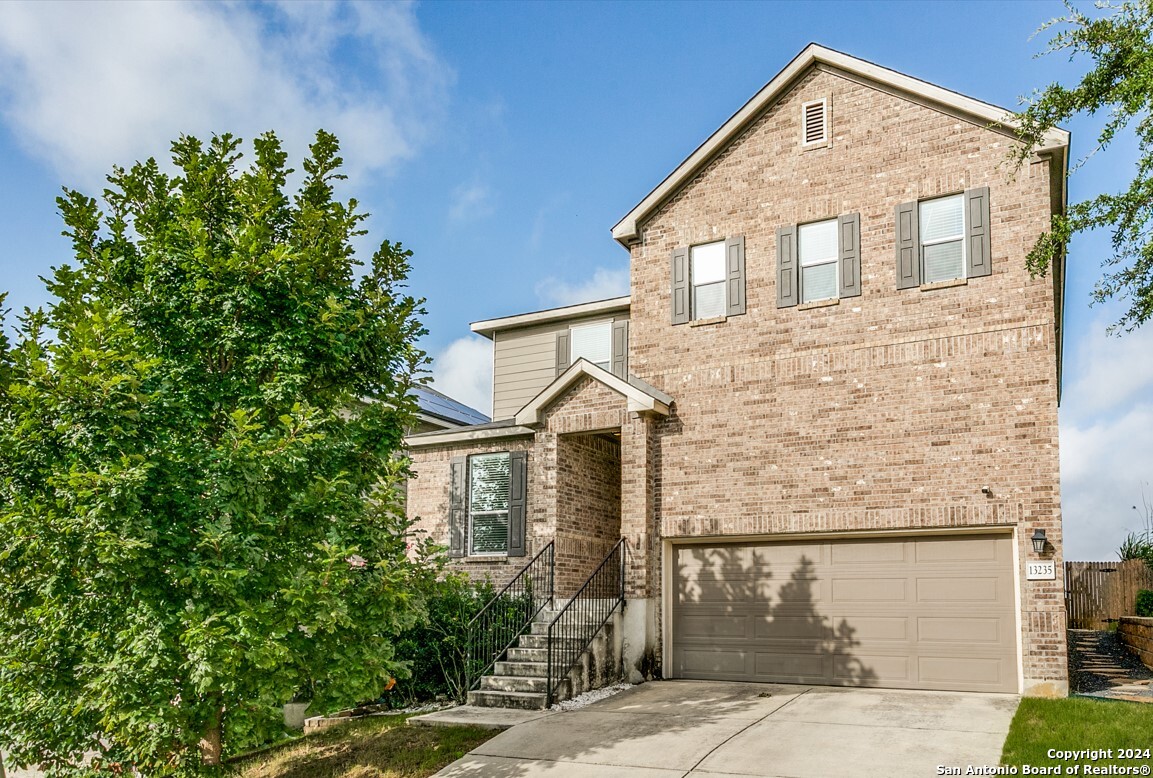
<point x="819" y="261"/>
<point x="943" y="239"/>
<point x="815" y="122"/>
<point x="708" y="281"/>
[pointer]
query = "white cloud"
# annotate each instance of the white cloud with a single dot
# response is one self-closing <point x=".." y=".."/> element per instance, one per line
<point x="1106" y="438"/>
<point x="470" y="202"/>
<point x="1102" y="468"/>
<point x="463" y="371"/>
<point x="605" y="283"/>
<point x="89" y="85"/>
<point x="1111" y="370"/>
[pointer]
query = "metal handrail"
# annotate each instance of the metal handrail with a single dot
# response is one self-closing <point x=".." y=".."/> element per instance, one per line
<point x="507" y="615"/>
<point x="579" y="621"/>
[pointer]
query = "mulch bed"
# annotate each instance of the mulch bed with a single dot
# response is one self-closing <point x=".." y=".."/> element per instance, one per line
<point x="1106" y="645"/>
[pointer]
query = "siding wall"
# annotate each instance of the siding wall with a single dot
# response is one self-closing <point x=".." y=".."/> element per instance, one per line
<point x="524" y="362"/>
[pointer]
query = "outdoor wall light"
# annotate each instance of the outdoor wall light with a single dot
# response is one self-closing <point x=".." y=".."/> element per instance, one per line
<point x="1039" y="541"/>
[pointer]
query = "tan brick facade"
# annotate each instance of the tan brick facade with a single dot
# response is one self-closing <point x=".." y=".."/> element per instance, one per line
<point x="890" y="411"/>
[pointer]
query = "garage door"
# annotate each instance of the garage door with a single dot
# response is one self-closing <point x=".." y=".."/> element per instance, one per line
<point x="932" y="613"/>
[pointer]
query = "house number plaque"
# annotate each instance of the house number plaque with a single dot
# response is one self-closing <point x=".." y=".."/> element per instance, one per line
<point x="1040" y="571"/>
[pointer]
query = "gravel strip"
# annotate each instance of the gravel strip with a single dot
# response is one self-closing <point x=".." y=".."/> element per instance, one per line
<point x="588" y="698"/>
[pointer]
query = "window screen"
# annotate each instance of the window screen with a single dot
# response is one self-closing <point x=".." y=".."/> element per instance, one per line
<point x="818" y="247"/>
<point x="708" y="278"/>
<point x="488" y="492"/>
<point x="942" y="225"/>
<point x="592" y="342"/>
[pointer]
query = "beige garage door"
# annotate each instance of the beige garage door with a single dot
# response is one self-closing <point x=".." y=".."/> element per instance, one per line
<point x="932" y="613"/>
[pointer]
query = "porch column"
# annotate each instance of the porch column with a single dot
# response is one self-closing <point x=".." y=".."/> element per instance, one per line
<point x="638" y="506"/>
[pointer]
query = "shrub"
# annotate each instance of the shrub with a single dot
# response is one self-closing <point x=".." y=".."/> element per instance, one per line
<point x="1144" y="602"/>
<point x="437" y="647"/>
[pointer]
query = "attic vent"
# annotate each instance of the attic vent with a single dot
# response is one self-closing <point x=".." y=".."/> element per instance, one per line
<point x="815" y="118"/>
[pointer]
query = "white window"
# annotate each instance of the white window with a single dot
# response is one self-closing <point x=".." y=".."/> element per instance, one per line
<point x="815" y="122"/>
<point x="488" y="499"/>
<point x="593" y="342"/>
<point x="818" y="247"/>
<point x="708" y="280"/>
<point x="942" y="226"/>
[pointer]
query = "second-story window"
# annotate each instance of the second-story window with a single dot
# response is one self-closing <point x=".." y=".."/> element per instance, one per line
<point x="818" y="248"/>
<point x="942" y="226"/>
<point x="592" y="342"/>
<point x="707" y="269"/>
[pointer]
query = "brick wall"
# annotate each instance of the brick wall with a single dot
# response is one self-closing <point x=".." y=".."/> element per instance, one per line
<point x="1137" y="635"/>
<point x="588" y="506"/>
<point x="886" y="411"/>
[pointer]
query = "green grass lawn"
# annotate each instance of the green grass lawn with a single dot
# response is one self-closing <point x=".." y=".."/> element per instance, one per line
<point x="374" y="747"/>
<point x="1077" y="724"/>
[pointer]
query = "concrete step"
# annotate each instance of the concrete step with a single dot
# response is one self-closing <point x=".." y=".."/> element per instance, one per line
<point x="521" y="700"/>
<point x="513" y="683"/>
<point x="541" y="628"/>
<point x="527" y="655"/>
<point x="522" y="669"/>
<point x="541" y="641"/>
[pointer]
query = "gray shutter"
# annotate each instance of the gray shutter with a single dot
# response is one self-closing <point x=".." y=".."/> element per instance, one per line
<point x="735" y="276"/>
<point x="978" y="260"/>
<point x="457" y="521"/>
<point x="517" y="502"/>
<point x="562" y="351"/>
<point x="849" y="266"/>
<point x="680" y="273"/>
<point x="620" y="350"/>
<point x="908" y="247"/>
<point x="787" y="266"/>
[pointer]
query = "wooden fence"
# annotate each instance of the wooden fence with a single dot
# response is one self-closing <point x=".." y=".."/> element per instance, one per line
<point x="1099" y="592"/>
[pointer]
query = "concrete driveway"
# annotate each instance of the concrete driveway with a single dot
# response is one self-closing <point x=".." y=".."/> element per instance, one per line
<point x="704" y="729"/>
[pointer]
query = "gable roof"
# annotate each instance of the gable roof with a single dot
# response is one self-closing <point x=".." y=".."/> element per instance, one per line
<point x="640" y="395"/>
<point x="626" y="230"/>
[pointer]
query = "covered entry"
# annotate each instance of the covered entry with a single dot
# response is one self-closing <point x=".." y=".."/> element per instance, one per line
<point x="925" y="613"/>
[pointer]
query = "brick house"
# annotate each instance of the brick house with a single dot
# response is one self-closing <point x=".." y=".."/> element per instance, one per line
<point x="824" y="419"/>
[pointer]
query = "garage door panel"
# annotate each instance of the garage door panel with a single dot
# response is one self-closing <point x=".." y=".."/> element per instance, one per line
<point x="714" y="663"/>
<point x="868" y="669"/>
<point x="869" y="553"/>
<point x="870" y="589"/>
<point x="875" y="627"/>
<point x="961" y="671"/>
<point x="803" y="667"/>
<point x="925" y="613"/>
<point x="732" y="626"/>
<point x="958" y="590"/>
<point x="957" y="550"/>
<point x="959" y="629"/>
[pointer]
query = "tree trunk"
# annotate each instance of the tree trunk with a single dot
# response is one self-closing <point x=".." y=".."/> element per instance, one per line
<point x="210" y="740"/>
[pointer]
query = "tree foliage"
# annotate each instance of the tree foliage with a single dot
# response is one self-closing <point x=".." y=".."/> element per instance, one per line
<point x="1119" y="43"/>
<point x="197" y="511"/>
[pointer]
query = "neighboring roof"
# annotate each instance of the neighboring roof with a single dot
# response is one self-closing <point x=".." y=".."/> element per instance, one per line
<point x="490" y="326"/>
<point x="640" y="395"/>
<point x="627" y="231"/>
<point x="440" y="406"/>
<point x="506" y="428"/>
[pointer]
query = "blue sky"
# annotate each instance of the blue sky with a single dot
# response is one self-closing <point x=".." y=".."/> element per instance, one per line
<point x="501" y="142"/>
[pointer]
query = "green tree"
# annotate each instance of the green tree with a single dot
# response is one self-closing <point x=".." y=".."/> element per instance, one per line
<point x="1119" y="43"/>
<point x="197" y="508"/>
